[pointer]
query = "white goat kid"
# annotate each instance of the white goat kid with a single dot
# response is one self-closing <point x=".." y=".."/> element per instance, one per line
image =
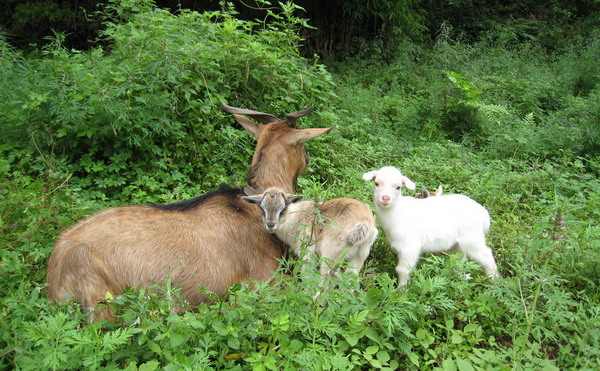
<point x="412" y="226"/>
<point x="346" y="229"/>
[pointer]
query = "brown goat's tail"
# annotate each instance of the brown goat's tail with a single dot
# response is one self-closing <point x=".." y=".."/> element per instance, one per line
<point x="360" y="233"/>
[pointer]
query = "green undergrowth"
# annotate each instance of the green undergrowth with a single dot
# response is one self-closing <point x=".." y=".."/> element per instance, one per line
<point x="512" y="125"/>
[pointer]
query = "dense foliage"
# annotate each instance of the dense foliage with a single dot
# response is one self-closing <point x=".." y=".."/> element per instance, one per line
<point x="503" y="118"/>
<point x="338" y="25"/>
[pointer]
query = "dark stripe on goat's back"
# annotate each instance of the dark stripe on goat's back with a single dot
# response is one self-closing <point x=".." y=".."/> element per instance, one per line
<point x="230" y="193"/>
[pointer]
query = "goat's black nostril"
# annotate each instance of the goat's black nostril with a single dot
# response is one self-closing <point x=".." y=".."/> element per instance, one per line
<point x="271" y="225"/>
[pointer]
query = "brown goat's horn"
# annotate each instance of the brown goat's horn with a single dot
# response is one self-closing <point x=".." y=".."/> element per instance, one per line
<point x="265" y="118"/>
<point x="291" y="118"/>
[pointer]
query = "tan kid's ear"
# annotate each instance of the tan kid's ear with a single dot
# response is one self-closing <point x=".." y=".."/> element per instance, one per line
<point x="249" y="191"/>
<point x="304" y="135"/>
<point x="256" y="199"/>
<point x="370" y="175"/>
<point x="291" y="198"/>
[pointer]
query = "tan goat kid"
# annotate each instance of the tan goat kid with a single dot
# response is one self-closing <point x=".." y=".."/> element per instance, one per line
<point x="343" y="229"/>
<point x="215" y="240"/>
<point x="425" y="193"/>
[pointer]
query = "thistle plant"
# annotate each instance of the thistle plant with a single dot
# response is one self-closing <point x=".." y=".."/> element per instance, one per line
<point x="559" y="226"/>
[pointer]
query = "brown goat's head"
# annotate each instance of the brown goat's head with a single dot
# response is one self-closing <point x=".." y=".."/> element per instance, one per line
<point x="280" y="155"/>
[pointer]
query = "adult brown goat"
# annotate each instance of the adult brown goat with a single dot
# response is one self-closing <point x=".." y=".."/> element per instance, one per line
<point x="215" y="240"/>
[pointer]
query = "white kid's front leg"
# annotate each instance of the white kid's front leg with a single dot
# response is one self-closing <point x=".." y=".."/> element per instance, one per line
<point x="407" y="260"/>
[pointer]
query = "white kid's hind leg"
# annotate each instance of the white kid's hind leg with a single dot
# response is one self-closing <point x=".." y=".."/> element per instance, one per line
<point x="480" y="253"/>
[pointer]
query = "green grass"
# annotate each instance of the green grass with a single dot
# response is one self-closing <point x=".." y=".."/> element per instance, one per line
<point x="511" y="127"/>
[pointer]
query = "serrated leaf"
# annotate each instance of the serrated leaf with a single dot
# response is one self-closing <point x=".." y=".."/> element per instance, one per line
<point x="375" y="363"/>
<point x="295" y="345"/>
<point x="149" y="366"/>
<point x="154" y="347"/>
<point x="220" y="328"/>
<point x="414" y="358"/>
<point x="471" y="327"/>
<point x="464" y="365"/>
<point x="176" y="339"/>
<point x="372" y="334"/>
<point x="233" y="343"/>
<point x="457" y="338"/>
<point x="351" y="339"/>
<point x="383" y="356"/>
<point x="372" y="349"/>
<point x="449" y="365"/>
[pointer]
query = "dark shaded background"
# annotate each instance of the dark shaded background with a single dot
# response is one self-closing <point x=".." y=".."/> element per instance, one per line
<point x="340" y="24"/>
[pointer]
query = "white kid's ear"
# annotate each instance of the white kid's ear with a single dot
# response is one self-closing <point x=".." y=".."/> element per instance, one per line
<point x="408" y="183"/>
<point x="370" y="175"/>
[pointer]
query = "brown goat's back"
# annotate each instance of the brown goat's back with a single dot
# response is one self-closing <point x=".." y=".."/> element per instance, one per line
<point x="205" y="245"/>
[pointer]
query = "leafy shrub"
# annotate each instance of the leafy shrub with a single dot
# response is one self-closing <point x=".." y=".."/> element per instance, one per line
<point x="528" y="151"/>
<point x="140" y="106"/>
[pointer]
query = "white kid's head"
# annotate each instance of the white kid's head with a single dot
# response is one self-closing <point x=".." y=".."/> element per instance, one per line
<point x="388" y="184"/>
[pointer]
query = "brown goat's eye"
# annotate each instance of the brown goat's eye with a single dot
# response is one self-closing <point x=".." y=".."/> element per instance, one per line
<point x="377" y="184"/>
<point x="398" y="187"/>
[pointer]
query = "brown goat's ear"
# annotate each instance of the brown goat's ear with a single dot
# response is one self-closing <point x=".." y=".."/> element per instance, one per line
<point x="424" y="193"/>
<point x="265" y="118"/>
<point x="291" y="198"/>
<point x="256" y="199"/>
<point x="439" y="190"/>
<point x="255" y="129"/>
<point x="304" y="135"/>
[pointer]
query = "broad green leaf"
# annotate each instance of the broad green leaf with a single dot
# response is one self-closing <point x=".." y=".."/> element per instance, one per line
<point x="457" y="338"/>
<point x="464" y="365"/>
<point x="372" y="349"/>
